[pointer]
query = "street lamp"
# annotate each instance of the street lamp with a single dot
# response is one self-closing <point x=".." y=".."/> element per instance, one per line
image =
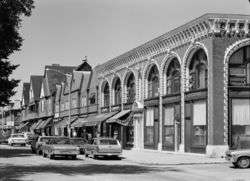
<point x="69" y="99"/>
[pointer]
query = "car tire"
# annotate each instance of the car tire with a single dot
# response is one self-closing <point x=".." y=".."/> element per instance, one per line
<point x="86" y="154"/>
<point x="44" y="155"/>
<point x="73" y="157"/>
<point x="51" y="156"/>
<point x="243" y="162"/>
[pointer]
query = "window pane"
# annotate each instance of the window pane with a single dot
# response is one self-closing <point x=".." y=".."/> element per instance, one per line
<point x="199" y="113"/>
<point x="150" y="117"/>
<point x="199" y="137"/>
<point x="169" y="135"/>
<point x="149" y="135"/>
<point x="241" y="111"/>
<point x="169" y="116"/>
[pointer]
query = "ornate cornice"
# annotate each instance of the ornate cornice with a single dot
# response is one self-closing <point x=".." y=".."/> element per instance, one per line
<point x="206" y="25"/>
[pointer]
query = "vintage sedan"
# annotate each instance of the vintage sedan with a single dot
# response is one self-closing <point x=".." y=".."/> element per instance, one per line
<point x="17" y="139"/>
<point x="239" y="158"/>
<point x="60" y="146"/>
<point x="38" y="142"/>
<point x="103" y="147"/>
<point x="80" y="143"/>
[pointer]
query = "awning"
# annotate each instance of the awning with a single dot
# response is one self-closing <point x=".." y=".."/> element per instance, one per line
<point x="118" y="116"/>
<point x="64" y="121"/>
<point x="37" y="123"/>
<point x="93" y="120"/>
<point x="40" y="122"/>
<point x="46" y="123"/>
<point x="32" y="127"/>
<point x="123" y="118"/>
<point x="22" y="125"/>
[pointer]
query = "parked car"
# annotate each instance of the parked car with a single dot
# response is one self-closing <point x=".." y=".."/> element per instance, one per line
<point x="17" y="139"/>
<point x="239" y="158"/>
<point x="28" y="136"/>
<point x="36" y="145"/>
<point x="60" y="146"/>
<point x="103" y="147"/>
<point x="80" y="143"/>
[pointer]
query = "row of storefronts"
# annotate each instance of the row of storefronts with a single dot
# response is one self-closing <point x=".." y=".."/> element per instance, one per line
<point x="185" y="91"/>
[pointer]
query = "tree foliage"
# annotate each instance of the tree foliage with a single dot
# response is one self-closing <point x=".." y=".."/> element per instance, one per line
<point x="11" y="13"/>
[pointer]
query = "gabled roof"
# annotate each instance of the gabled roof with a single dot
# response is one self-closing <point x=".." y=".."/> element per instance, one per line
<point x="84" y="66"/>
<point x="76" y="80"/>
<point x="56" y="74"/>
<point x="25" y="94"/>
<point x="36" y="83"/>
<point x="93" y="80"/>
<point x="58" y="92"/>
<point x="85" y="81"/>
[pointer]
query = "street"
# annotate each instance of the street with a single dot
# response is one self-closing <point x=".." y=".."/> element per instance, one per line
<point x="18" y="163"/>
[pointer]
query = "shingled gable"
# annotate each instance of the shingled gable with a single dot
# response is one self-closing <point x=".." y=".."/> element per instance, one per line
<point x="84" y="66"/>
<point x="55" y="74"/>
<point x="35" y="85"/>
<point x="25" y="94"/>
<point x="76" y="80"/>
<point x="93" y="83"/>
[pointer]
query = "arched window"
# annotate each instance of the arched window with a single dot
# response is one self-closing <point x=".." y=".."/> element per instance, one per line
<point x="106" y="95"/>
<point x="117" y="92"/>
<point x="239" y="68"/>
<point x="153" y="82"/>
<point x="173" y="77"/>
<point x="131" y="90"/>
<point x="198" y="70"/>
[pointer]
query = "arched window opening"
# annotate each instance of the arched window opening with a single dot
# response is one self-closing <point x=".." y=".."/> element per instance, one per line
<point x="131" y="89"/>
<point x="106" y="95"/>
<point x="117" y="91"/>
<point x="173" y="77"/>
<point x="153" y="82"/>
<point x="198" y="71"/>
<point x="239" y="68"/>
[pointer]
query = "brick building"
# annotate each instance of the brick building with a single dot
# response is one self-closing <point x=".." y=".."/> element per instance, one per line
<point x="187" y="90"/>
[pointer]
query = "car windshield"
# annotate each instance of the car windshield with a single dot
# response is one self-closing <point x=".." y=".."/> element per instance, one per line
<point x="45" y="139"/>
<point x="59" y="141"/>
<point x="108" y="142"/>
<point x="78" y="141"/>
<point x="17" y="135"/>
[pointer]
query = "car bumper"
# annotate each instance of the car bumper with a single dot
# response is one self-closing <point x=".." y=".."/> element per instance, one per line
<point x="108" y="154"/>
<point x="65" y="152"/>
<point x="231" y="159"/>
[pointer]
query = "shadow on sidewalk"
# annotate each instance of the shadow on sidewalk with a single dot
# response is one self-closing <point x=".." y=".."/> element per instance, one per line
<point x="14" y="152"/>
<point x="14" y="173"/>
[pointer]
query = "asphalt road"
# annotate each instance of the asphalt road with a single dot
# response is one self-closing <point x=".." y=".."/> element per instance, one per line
<point x="18" y="163"/>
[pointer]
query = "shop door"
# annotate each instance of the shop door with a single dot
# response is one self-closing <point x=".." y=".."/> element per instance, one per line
<point x="188" y="135"/>
<point x="156" y="134"/>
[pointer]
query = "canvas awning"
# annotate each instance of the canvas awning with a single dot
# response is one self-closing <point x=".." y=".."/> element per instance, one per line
<point x="120" y="115"/>
<point x="64" y="121"/>
<point x="40" y="122"/>
<point x="93" y="120"/>
<point x="22" y="125"/>
<point x="46" y="123"/>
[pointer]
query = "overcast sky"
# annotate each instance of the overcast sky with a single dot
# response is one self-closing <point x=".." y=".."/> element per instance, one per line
<point x="64" y="31"/>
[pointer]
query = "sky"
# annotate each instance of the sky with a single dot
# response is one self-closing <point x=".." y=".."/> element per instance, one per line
<point x="65" y="31"/>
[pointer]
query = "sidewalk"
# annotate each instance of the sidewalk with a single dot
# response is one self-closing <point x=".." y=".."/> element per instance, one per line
<point x="165" y="158"/>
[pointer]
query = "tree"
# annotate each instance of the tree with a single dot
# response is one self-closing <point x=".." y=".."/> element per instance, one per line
<point x="11" y="13"/>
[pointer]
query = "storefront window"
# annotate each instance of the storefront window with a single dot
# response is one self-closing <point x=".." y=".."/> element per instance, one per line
<point x="241" y="123"/>
<point x="149" y="136"/>
<point x="131" y="89"/>
<point x="199" y="123"/>
<point x="198" y="71"/>
<point x="173" y="77"/>
<point x="153" y="82"/>
<point x="117" y="91"/>
<point x="106" y="95"/>
<point x="169" y="127"/>
<point x="239" y="67"/>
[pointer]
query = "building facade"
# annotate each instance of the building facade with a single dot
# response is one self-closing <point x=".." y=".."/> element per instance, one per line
<point x="189" y="88"/>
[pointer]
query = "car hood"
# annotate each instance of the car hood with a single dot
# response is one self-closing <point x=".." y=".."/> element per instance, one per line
<point x="64" y="146"/>
<point x="246" y="151"/>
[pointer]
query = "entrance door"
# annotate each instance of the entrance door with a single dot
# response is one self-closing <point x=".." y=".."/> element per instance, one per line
<point x="188" y="135"/>
<point x="156" y="134"/>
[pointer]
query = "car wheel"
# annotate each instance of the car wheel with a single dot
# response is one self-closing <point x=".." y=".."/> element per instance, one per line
<point x="86" y="154"/>
<point x="243" y="162"/>
<point x="44" y="155"/>
<point x="73" y="157"/>
<point x="51" y="156"/>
